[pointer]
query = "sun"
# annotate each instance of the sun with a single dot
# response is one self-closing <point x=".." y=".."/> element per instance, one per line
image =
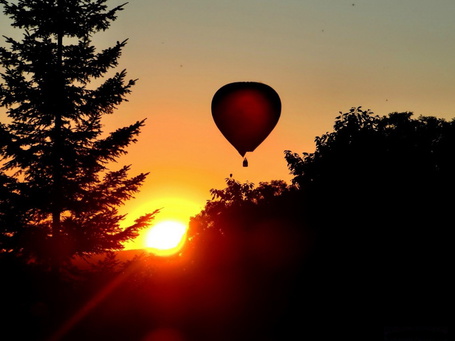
<point x="166" y="238"/>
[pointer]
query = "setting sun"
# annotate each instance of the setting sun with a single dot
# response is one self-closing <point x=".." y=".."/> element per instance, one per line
<point x="166" y="238"/>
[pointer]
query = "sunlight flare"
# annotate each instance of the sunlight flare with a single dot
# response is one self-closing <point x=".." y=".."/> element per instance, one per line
<point x="166" y="238"/>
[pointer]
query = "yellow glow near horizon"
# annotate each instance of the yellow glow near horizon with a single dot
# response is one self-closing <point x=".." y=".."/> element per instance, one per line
<point x="166" y="238"/>
<point x="173" y="208"/>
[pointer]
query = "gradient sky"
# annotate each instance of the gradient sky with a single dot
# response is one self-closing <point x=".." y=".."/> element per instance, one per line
<point x="321" y="56"/>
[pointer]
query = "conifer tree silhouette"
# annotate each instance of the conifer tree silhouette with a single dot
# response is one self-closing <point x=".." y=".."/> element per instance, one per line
<point x="58" y="197"/>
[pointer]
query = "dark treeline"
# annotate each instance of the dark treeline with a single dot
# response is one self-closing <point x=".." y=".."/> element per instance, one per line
<point x="365" y="224"/>
<point x="418" y="333"/>
<point x="362" y="232"/>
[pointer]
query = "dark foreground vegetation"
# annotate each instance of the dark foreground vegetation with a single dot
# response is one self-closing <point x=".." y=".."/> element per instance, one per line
<point x="419" y="333"/>
<point x="362" y="233"/>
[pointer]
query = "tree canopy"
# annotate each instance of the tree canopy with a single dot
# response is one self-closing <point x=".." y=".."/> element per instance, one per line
<point x="59" y="197"/>
<point x="372" y="204"/>
<point x="381" y="190"/>
<point x="392" y="175"/>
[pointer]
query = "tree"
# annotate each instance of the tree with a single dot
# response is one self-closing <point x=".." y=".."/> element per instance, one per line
<point x="238" y="205"/>
<point x="370" y="162"/>
<point x="256" y="239"/>
<point x="58" y="197"/>
<point x="380" y="191"/>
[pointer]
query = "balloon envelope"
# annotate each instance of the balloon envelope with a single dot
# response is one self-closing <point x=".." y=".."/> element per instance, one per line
<point x="246" y="113"/>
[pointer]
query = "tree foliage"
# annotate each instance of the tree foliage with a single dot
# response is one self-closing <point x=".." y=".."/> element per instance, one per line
<point x="236" y="202"/>
<point x="59" y="197"/>
<point x="381" y="166"/>
<point x="388" y="148"/>
<point x="380" y="191"/>
<point x="372" y="206"/>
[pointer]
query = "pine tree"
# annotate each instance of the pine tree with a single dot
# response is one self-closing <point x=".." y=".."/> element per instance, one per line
<point x="58" y="197"/>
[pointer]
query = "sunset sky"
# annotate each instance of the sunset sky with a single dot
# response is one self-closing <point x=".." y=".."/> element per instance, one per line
<point x="321" y="56"/>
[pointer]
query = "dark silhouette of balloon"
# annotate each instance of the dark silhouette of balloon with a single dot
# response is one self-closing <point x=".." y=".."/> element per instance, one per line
<point x="246" y="113"/>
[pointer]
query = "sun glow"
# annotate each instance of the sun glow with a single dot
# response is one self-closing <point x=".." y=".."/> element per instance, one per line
<point x="166" y="238"/>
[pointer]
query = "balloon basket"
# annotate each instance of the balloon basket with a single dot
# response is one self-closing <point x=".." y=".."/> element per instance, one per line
<point x="245" y="162"/>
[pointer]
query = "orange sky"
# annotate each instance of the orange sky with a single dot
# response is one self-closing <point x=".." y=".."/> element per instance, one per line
<point x="321" y="56"/>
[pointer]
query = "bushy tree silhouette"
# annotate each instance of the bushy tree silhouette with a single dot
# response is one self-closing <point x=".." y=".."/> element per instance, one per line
<point x="235" y="201"/>
<point x="369" y="212"/>
<point x="58" y="197"/>
<point x="256" y="238"/>
<point x="381" y="191"/>
<point x="243" y="207"/>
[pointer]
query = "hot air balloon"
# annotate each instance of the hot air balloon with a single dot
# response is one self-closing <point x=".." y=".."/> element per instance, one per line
<point x="246" y="113"/>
